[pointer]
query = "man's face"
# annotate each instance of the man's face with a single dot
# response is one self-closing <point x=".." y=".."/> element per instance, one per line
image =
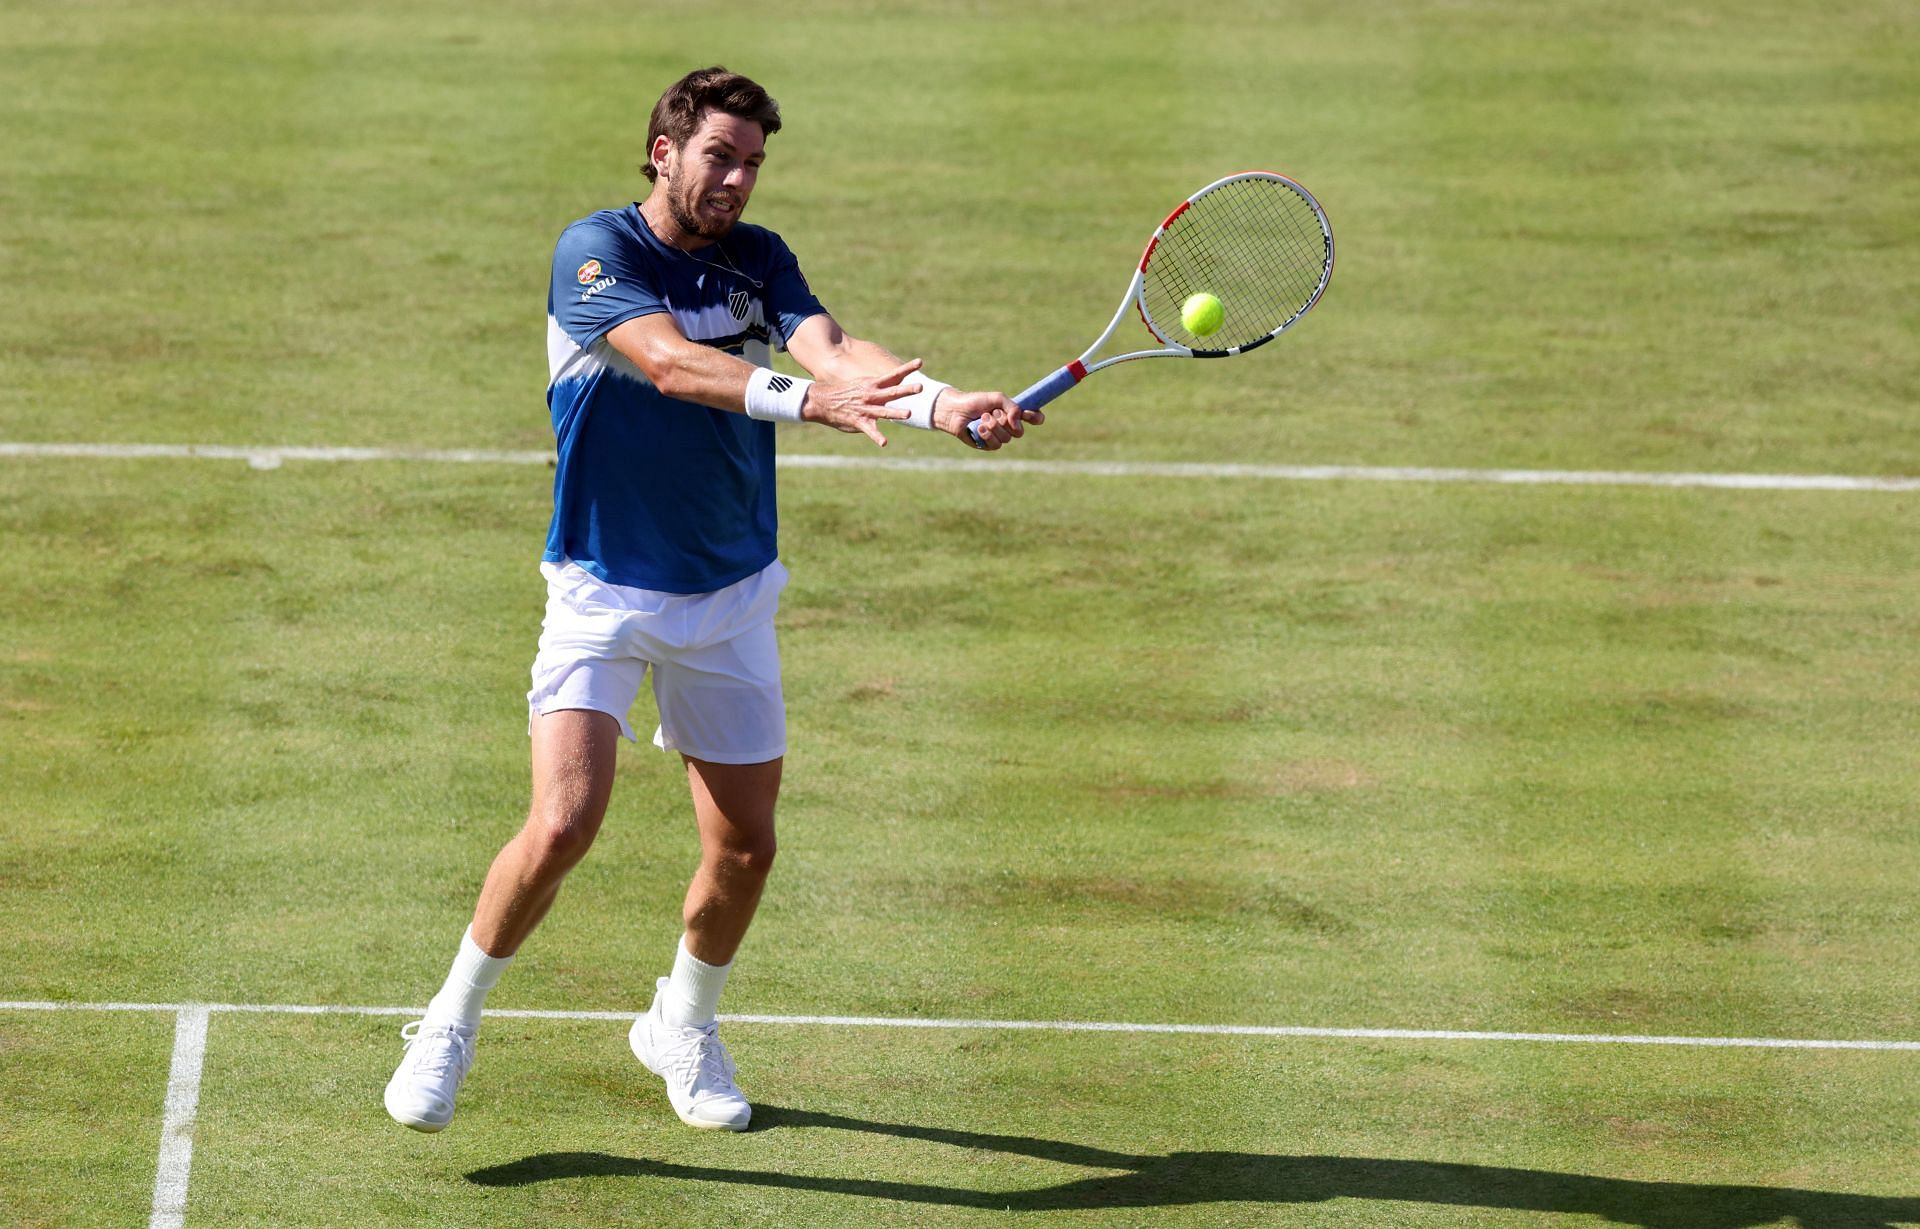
<point x="709" y="180"/>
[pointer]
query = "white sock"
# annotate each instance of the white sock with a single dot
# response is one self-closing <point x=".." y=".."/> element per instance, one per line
<point x="473" y="974"/>
<point x="693" y="992"/>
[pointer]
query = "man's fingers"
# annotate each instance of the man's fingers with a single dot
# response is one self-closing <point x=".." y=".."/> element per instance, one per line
<point x="900" y="373"/>
<point x="883" y="393"/>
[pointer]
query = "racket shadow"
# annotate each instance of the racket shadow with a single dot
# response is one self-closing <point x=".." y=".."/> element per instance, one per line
<point x="1183" y="1178"/>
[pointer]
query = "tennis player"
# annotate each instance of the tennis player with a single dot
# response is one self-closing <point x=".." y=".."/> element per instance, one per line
<point x="661" y="559"/>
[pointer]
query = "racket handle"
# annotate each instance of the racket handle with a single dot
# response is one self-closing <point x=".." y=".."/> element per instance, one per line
<point x="1051" y="387"/>
<point x="1041" y="393"/>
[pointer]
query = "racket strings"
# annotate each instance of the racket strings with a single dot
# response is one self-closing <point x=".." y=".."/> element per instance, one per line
<point x="1256" y="244"/>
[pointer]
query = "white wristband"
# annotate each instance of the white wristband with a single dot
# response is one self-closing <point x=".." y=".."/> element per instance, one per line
<point x="921" y="403"/>
<point x="773" y="397"/>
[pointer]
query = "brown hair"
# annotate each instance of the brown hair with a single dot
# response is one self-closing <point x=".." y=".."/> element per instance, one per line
<point x="677" y="115"/>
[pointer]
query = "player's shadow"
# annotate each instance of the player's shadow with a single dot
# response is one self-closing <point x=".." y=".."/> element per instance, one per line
<point x="1250" y="1177"/>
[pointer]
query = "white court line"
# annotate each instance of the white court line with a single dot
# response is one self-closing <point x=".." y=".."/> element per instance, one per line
<point x="176" y="1129"/>
<point x="1065" y="1026"/>
<point x="273" y="456"/>
<point x="1367" y="473"/>
<point x="1383" y="1034"/>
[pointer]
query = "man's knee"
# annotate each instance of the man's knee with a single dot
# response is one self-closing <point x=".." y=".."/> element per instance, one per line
<point x="558" y="839"/>
<point x="748" y="855"/>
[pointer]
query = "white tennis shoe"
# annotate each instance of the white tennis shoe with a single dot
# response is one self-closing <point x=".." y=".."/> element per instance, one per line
<point x="696" y="1066"/>
<point x="420" y="1094"/>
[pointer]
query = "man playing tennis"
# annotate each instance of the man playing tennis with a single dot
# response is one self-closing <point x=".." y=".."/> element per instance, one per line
<point x="661" y="558"/>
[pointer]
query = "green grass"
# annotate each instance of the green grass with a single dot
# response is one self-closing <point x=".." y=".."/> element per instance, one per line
<point x="1606" y="235"/>
<point x="73" y="1149"/>
<point x="1599" y="760"/>
<point x="860" y="1133"/>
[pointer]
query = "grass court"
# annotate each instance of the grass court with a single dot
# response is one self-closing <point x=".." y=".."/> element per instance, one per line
<point x="1067" y="747"/>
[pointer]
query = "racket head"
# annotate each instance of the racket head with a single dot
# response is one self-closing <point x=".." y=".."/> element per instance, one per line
<point x="1258" y="241"/>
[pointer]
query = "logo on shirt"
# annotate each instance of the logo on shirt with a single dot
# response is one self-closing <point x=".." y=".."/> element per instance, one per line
<point x="738" y="303"/>
<point x="590" y="273"/>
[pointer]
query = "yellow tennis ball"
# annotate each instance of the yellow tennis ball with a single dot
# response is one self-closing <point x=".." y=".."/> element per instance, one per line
<point x="1202" y="314"/>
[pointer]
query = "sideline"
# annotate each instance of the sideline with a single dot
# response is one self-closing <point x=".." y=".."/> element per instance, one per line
<point x="176" y="1129"/>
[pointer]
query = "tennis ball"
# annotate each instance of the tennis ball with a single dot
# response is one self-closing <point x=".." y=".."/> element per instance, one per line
<point x="1202" y="314"/>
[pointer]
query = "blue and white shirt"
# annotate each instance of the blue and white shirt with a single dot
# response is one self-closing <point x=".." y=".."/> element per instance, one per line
<point x="650" y="491"/>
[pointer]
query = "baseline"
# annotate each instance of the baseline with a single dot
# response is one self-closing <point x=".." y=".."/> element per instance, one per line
<point x="1065" y="1026"/>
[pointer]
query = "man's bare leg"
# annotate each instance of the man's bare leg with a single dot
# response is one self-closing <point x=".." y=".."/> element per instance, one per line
<point x="733" y="805"/>
<point x="677" y="1038"/>
<point x="573" y="765"/>
<point x="573" y="760"/>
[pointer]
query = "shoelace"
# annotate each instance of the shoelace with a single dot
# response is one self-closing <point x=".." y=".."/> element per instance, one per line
<point x="693" y="1052"/>
<point x="455" y="1055"/>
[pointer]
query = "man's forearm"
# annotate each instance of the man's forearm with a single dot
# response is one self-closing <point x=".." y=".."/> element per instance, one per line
<point x="855" y="358"/>
<point x="682" y="369"/>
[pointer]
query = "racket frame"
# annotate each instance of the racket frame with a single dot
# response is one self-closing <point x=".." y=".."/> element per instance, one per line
<point x="1079" y="369"/>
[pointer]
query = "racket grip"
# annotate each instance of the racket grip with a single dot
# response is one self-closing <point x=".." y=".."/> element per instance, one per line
<point x="1041" y="393"/>
<point x="1051" y="387"/>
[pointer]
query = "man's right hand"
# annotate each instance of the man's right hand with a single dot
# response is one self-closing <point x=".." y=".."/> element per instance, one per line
<point x="998" y="418"/>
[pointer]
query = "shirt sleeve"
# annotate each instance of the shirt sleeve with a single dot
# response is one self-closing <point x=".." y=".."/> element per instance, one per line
<point x="789" y="297"/>
<point x="600" y="279"/>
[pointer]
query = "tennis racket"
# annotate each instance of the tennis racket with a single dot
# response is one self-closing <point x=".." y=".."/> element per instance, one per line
<point x="1256" y="241"/>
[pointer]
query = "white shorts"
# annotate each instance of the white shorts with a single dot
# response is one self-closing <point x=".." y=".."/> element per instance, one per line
<point x="716" y="668"/>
